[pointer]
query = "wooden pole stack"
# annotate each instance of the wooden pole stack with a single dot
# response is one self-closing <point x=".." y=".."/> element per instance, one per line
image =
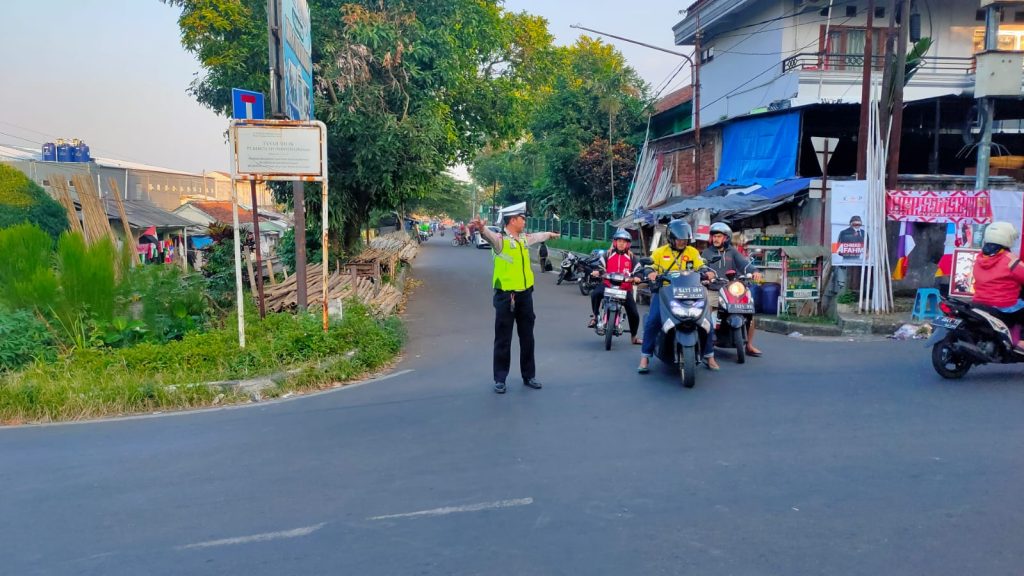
<point x="59" y="183"/>
<point x="94" y="215"/>
<point x="129" y="238"/>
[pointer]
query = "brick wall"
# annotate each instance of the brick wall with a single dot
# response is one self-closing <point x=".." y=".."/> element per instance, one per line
<point x="679" y="154"/>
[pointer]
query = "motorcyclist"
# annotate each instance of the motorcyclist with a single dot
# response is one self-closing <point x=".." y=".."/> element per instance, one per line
<point x="729" y="258"/>
<point x="676" y="255"/>
<point x="999" y="275"/>
<point x="620" y="260"/>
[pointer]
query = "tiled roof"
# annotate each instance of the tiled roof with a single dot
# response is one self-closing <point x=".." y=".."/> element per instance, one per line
<point x="221" y="211"/>
<point x="670" y="101"/>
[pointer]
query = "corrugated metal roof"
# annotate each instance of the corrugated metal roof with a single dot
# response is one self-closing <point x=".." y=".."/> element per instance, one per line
<point x="142" y="214"/>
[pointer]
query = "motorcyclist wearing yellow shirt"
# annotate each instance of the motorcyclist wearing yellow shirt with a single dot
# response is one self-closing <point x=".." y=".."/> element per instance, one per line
<point x="676" y="255"/>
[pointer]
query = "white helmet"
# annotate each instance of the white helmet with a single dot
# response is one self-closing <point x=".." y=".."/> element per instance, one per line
<point x="1001" y="233"/>
<point x="721" y="228"/>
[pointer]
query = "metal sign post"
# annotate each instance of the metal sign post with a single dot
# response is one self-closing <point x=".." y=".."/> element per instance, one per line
<point x="269" y="150"/>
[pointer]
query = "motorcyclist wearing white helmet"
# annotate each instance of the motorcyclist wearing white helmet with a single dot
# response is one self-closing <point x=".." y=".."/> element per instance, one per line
<point x="998" y="273"/>
<point x="729" y="258"/>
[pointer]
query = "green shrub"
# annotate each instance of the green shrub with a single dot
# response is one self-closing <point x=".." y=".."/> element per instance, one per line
<point x="168" y="302"/>
<point x="848" y="297"/>
<point x="23" y="339"/>
<point x="286" y="248"/>
<point x="577" y="245"/>
<point x="22" y="200"/>
<point x="26" y="277"/>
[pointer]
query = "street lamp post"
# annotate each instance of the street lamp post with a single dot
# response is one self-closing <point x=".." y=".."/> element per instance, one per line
<point x="694" y="82"/>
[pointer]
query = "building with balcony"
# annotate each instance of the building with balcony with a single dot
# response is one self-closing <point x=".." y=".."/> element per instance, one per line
<point x="796" y="52"/>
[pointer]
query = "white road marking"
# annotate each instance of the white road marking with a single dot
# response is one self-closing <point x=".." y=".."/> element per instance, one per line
<point x="459" y="509"/>
<point x="284" y="534"/>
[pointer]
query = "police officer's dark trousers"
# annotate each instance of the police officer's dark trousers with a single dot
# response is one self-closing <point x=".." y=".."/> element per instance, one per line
<point x="513" y="308"/>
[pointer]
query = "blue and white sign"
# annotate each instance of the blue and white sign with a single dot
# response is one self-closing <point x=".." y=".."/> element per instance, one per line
<point x="247" y="105"/>
<point x="297" y="61"/>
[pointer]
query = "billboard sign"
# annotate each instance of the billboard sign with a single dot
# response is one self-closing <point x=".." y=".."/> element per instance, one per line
<point x="849" y="200"/>
<point x="297" y="59"/>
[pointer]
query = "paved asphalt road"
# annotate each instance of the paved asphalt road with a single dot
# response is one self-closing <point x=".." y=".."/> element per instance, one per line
<point x="820" y="458"/>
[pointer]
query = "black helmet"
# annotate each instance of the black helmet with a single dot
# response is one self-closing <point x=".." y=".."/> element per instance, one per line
<point x="679" y="230"/>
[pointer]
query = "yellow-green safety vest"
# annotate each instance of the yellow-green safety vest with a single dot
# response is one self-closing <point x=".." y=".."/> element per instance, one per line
<point x="512" y="269"/>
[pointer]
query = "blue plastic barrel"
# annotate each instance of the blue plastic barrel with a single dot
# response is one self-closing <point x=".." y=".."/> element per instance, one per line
<point x="83" y="153"/>
<point x="63" y="152"/>
<point x="755" y="293"/>
<point x="49" y="152"/>
<point x="74" y="152"/>
<point x="769" y="303"/>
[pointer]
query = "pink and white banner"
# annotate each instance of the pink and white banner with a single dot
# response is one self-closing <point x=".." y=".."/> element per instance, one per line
<point x="957" y="206"/>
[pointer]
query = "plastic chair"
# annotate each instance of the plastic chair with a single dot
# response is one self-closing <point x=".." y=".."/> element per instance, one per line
<point x="926" y="304"/>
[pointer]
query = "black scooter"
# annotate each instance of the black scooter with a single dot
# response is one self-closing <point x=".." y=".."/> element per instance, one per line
<point x="567" y="270"/>
<point x="971" y="335"/>
<point x="686" y="320"/>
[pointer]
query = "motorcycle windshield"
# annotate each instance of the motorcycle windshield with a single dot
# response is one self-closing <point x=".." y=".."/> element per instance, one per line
<point x="686" y="285"/>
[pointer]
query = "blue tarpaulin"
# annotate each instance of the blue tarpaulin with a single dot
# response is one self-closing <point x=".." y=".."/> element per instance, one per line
<point x="759" y="151"/>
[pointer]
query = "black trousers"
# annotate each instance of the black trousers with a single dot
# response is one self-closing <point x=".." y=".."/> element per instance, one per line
<point x="631" y="312"/>
<point x="505" y="316"/>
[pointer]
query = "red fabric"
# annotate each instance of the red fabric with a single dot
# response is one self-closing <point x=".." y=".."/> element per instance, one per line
<point x="619" y="264"/>
<point x="995" y="284"/>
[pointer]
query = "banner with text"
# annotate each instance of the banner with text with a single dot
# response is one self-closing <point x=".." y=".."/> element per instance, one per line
<point x="939" y="206"/>
<point x="849" y="201"/>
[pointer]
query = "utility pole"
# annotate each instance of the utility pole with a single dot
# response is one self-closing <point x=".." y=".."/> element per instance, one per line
<point x="896" y="126"/>
<point x="865" y="95"/>
<point x="987" y="106"/>
<point x="696" y="104"/>
<point x="694" y="82"/>
<point x="277" y="112"/>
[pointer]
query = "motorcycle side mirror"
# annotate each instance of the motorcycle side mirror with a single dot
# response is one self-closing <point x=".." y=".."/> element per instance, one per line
<point x="646" y="261"/>
<point x="689" y="265"/>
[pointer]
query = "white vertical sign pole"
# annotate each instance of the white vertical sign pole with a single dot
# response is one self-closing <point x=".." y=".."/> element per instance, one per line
<point x="323" y="217"/>
<point x="238" y="244"/>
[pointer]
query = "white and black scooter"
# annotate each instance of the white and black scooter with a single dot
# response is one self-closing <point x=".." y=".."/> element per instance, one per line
<point x="686" y="319"/>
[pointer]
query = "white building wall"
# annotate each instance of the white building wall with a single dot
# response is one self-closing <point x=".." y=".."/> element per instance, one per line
<point x="746" y="70"/>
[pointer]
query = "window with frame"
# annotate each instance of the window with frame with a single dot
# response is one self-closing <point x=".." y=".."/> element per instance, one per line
<point x="707" y="54"/>
<point x="843" y="47"/>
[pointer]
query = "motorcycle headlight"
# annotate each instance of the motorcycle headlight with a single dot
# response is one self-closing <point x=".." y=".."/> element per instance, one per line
<point x="687" y="308"/>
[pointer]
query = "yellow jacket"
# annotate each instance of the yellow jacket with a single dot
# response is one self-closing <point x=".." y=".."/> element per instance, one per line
<point x="666" y="259"/>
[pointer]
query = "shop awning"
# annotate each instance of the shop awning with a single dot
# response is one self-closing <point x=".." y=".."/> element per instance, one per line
<point x="736" y="203"/>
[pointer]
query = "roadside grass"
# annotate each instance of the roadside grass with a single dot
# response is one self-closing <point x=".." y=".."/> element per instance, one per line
<point x="91" y="383"/>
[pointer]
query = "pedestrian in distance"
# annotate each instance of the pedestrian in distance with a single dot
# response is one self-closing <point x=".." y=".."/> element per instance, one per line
<point x="513" y="295"/>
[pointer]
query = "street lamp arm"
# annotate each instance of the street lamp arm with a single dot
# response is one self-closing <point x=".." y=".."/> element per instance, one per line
<point x="651" y="46"/>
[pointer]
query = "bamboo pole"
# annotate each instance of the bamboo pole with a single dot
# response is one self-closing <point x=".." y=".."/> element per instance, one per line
<point x="129" y="238"/>
<point x="59" y="183"/>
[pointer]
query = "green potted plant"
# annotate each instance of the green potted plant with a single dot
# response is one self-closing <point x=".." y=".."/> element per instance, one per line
<point x="846" y="303"/>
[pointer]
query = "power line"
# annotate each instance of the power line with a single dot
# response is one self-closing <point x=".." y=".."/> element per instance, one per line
<point x="762" y="73"/>
<point x="664" y="85"/>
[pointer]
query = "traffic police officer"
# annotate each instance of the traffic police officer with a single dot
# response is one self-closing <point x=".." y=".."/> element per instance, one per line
<point x="513" y="294"/>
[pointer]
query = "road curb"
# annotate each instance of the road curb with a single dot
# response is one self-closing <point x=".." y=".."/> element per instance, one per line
<point x="772" y="324"/>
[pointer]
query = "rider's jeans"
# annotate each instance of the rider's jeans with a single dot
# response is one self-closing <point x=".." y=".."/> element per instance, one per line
<point x="651" y="326"/>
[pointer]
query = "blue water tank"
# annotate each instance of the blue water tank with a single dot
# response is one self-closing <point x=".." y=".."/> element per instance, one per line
<point x="83" y="152"/>
<point x="770" y="292"/>
<point x="755" y="293"/>
<point x="49" y="152"/>
<point x="63" y="152"/>
<point x="74" y="152"/>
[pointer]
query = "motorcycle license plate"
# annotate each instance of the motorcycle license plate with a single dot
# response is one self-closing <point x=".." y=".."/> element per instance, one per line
<point x="947" y="322"/>
<point x="688" y="292"/>
<point x="740" y="308"/>
<point x="615" y="293"/>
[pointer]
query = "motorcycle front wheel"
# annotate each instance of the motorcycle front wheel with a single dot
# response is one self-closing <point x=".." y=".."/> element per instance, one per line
<point x="609" y="331"/>
<point x="741" y="345"/>
<point x="947" y="362"/>
<point x="585" y="286"/>
<point x="688" y="366"/>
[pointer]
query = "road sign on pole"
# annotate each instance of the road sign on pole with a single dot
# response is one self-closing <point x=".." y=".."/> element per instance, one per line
<point x="247" y="105"/>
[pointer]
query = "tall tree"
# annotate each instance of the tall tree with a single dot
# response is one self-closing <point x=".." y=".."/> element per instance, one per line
<point x="405" y="87"/>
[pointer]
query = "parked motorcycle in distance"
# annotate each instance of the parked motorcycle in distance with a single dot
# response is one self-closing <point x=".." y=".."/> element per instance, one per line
<point x="612" y="312"/>
<point x="686" y="319"/>
<point x="567" y="269"/>
<point x="971" y="335"/>
<point x="735" y="312"/>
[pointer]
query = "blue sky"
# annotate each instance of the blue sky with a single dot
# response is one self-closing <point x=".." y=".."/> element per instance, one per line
<point x="113" y="72"/>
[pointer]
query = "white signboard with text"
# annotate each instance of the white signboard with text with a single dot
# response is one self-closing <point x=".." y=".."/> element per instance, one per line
<point x="278" y="150"/>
